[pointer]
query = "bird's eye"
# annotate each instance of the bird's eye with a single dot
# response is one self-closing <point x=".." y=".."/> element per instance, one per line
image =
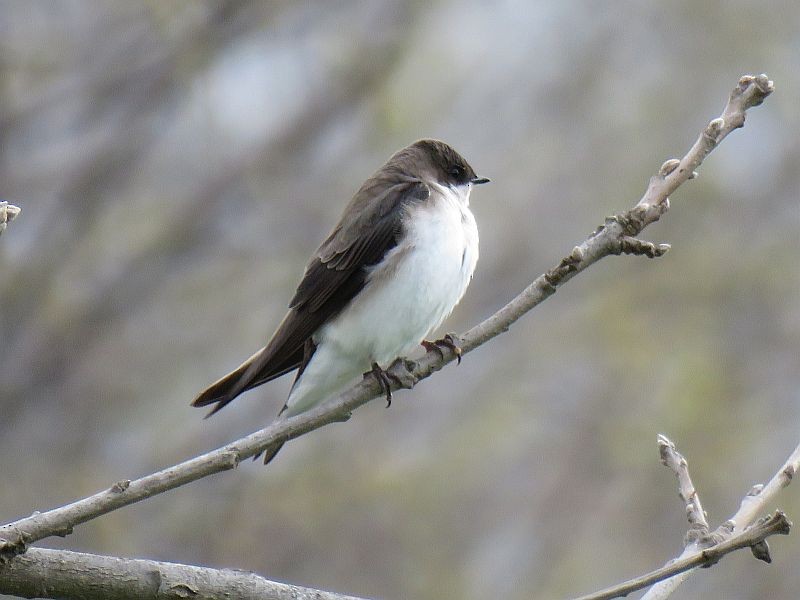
<point x="457" y="172"/>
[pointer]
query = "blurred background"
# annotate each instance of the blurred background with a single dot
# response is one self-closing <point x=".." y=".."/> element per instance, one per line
<point x="177" y="163"/>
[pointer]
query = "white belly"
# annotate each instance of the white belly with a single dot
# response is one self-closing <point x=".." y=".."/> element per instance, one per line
<point x="406" y="297"/>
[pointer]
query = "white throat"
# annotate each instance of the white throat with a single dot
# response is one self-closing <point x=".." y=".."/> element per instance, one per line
<point x="455" y="193"/>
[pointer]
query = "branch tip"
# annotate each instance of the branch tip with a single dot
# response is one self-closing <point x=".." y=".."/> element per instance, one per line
<point x="762" y="85"/>
<point x="751" y="91"/>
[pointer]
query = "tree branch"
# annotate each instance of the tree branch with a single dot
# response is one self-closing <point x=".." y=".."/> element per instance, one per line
<point x="674" y="460"/>
<point x="45" y="573"/>
<point x="774" y="524"/>
<point x="753" y="504"/>
<point x="704" y="548"/>
<point x="616" y="236"/>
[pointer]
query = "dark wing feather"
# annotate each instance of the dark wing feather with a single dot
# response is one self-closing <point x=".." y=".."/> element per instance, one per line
<point x="333" y="277"/>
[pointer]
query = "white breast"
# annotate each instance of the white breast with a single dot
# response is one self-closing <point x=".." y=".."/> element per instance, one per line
<point x="407" y="296"/>
<point x="418" y="284"/>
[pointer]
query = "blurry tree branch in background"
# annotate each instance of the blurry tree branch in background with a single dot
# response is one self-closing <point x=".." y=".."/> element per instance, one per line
<point x="704" y="547"/>
<point x="8" y="212"/>
<point x="616" y="236"/>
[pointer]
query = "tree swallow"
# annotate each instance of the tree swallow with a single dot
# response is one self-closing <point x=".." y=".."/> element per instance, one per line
<point x="393" y="268"/>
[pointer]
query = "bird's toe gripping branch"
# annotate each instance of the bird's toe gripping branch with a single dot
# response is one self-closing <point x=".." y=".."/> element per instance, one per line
<point x="450" y="341"/>
<point x="400" y="372"/>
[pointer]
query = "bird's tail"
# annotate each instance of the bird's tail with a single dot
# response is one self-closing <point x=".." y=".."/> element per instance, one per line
<point x="225" y="389"/>
<point x="259" y="368"/>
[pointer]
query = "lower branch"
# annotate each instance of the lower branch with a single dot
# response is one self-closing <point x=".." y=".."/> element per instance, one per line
<point x="44" y="573"/>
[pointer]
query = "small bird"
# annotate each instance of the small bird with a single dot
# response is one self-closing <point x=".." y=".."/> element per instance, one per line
<point x="393" y="268"/>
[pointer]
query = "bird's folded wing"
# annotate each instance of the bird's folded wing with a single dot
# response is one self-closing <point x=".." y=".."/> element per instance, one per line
<point x="335" y="275"/>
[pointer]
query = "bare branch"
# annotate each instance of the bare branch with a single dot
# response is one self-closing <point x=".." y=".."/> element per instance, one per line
<point x="753" y="504"/>
<point x="8" y="212"/>
<point x="704" y="548"/>
<point x="774" y="524"/>
<point x="756" y="501"/>
<point x="613" y="237"/>
<point x="45" y="573"/>
<point x="673" y="459"/>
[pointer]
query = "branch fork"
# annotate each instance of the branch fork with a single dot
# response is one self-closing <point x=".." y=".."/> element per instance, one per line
<point x="704" y="548"/>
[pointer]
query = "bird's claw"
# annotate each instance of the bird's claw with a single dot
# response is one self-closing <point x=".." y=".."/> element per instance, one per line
<point x="383" y="381"/>
<point x="449" y="341"/>
<point x="399" y="372"/>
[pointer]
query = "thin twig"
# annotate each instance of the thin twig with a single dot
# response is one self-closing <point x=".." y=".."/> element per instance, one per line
<point x="673" y="459"/>
<point x="704" y="548"/>
<point x="756" y="501"/>
<point x="617" y="235"/>
<point x="45" y="573"/>
<point x="753" y="504"/>
<point x="774" y="524"/>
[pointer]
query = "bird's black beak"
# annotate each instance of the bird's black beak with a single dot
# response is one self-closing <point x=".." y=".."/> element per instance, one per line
<point x="479" y="180"/>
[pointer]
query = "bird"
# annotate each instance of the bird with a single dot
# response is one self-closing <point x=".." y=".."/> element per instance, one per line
<point x="390" y="272"/>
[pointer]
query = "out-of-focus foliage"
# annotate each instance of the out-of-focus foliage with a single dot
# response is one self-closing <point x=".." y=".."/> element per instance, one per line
<point x="176" y="163"/>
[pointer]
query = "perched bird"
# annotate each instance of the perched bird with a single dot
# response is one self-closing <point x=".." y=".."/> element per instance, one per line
<point x="390" y="272"/>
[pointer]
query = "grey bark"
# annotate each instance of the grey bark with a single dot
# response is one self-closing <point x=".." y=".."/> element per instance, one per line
<point x="44" y="573"/>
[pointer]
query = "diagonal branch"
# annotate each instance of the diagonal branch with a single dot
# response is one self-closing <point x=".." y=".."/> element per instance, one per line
<point x="753" y="504"/>
<point x="616" y="236"/>
<point x="704" y="548"/>
<point x="45" y="573"/>
<point x="774" y="524"/>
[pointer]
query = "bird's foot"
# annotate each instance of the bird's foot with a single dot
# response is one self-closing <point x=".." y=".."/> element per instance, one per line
<point x="399" y="372"/>
<point x="450" y="341"/>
